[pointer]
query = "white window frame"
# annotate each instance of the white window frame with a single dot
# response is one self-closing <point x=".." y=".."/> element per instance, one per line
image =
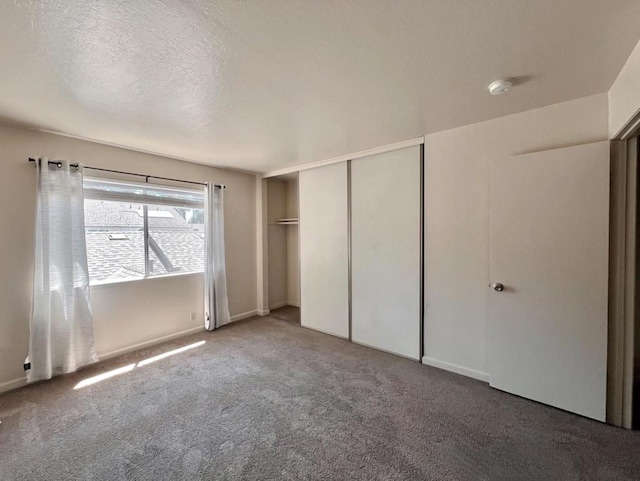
<point x="144" y="194"/>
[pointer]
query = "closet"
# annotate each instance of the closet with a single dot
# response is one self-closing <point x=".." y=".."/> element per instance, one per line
<point x="361" y="250"/>
<point x="282" y="241"/>
<point x="362" y="265"/>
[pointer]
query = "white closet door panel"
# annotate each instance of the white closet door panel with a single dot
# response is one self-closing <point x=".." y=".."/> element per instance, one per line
<point x="324" y="249"/>
<point x="385" y="251"/>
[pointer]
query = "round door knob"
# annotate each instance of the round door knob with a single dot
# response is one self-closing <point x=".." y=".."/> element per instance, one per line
<point x="497" y="287"/>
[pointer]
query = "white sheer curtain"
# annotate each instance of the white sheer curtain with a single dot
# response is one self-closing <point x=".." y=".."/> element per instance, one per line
<point x="61" y="324"/>
<point x="216" y="304"/>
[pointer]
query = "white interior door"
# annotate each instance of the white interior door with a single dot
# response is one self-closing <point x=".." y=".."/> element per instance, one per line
<point x="324" y="249"/>
<point x="385" y="252"/>
<point x="549" y="248"/>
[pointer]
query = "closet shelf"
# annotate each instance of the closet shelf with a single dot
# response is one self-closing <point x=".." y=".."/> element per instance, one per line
<point x="290" y="221"/>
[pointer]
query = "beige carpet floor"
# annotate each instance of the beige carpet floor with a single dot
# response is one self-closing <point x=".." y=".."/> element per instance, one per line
<point x="265" y="399"/>
<point x="287" y="313"/>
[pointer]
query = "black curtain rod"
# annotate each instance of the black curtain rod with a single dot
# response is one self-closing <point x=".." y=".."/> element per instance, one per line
<point x="59" y="164"/>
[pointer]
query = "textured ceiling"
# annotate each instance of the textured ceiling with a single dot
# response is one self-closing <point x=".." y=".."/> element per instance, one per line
<point x="261" y="85"/>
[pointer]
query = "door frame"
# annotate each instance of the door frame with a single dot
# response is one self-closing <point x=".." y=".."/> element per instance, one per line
<point x="624" y="300"/>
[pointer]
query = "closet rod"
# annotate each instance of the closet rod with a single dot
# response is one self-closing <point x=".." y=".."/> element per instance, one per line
<point x="59" y="164"/>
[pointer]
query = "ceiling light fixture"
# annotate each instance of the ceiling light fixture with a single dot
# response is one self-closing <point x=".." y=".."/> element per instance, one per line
<point x="500" y="86"/>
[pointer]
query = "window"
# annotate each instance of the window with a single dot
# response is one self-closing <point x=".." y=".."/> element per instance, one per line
<point x="136" y="231"/>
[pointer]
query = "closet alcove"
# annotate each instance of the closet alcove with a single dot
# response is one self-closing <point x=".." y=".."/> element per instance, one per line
<point x="283" y="247"/>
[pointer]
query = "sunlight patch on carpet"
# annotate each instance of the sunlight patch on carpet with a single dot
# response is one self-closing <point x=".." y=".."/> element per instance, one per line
<point x="130" y="367"/>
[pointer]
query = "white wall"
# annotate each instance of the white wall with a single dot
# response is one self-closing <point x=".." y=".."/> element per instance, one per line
<point x="624" y="95"/>
<point x="262" y="246"/>
<point x="457" y="218"/>
<point x="129" y="313"/>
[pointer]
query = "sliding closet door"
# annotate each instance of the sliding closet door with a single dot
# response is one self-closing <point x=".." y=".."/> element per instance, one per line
<point x="324" y="249"/>
<point x="385" y="259"/>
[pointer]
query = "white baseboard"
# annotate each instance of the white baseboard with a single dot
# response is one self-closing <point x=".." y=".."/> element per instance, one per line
<point x="265" y="312"/>
<point x="245" y="315"/>
<point x="150" y="342"/>
<point x="14" y="384"/>
<point x="278" y="304"/>
<point x="169" y="337"/>
<point x="447" y="366"/>
<point x="282" y="304"/>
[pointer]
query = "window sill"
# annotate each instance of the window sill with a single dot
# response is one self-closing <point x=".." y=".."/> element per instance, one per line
<point x="103" y="284"/>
